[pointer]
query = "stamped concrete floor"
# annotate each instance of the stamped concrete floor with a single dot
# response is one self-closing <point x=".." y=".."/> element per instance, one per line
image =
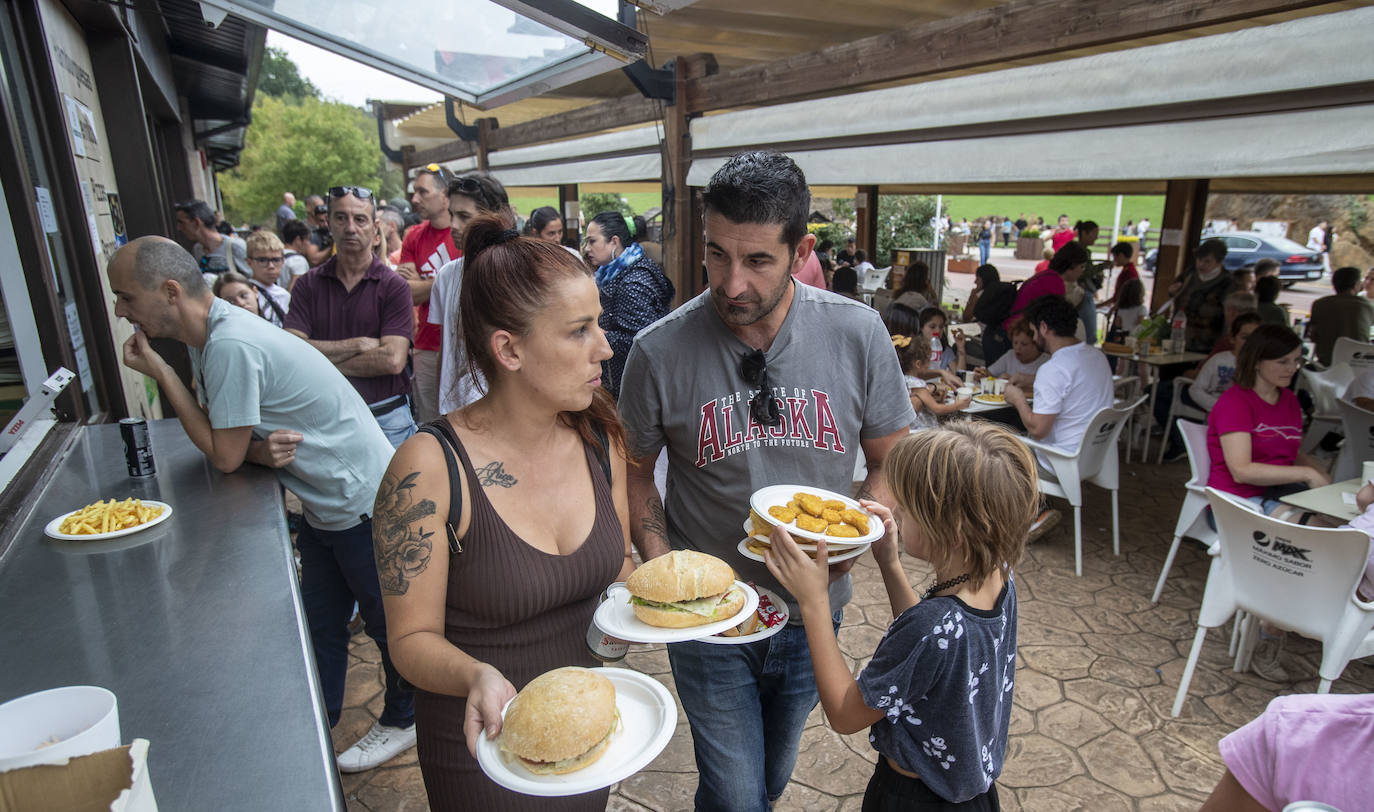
<point x="1097" y="674"/>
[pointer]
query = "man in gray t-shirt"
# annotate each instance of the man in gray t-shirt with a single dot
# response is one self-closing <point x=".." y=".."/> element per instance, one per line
<point x="266" y="398"/>
<point x="757" y="381"/>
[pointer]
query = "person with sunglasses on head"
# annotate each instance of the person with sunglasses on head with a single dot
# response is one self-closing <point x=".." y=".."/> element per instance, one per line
<point x="469" y="196"/>
<point x="634" y="291"/>
<point x="264" y="397"/>
<point x="424" y="250"/>
<point x="757" y="381"/>
<point x="358" y="312"/>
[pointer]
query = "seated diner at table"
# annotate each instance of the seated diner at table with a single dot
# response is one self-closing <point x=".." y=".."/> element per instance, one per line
<point x="1064" y="270"/>
<point x="1255" y="429"/>
<point x="1201" y="392"/>
<point x="1021" y="362"/>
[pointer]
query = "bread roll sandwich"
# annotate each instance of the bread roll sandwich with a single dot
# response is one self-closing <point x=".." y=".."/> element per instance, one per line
<point x="684" y="588"/>
<point x="561" y="722"/>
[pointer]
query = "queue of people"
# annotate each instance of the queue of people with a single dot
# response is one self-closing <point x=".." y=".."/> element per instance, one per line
<point x="475" y="539"/>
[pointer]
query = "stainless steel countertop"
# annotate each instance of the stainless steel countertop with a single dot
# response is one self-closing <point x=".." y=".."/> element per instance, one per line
<point x="195" y="625"/>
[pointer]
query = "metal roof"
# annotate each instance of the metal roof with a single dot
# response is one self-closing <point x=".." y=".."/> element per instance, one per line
<point x="216" y="71"/>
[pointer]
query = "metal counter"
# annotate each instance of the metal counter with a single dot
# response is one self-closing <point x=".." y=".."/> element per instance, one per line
<point x="195" y="625"/>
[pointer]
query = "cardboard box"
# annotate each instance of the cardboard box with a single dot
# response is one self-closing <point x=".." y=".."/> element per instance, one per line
<point x="114" y="780"/>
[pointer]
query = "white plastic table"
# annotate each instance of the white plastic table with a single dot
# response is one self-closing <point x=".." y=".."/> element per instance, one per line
<point x="1328" y="500"/>
<point x="1152" y="362"/>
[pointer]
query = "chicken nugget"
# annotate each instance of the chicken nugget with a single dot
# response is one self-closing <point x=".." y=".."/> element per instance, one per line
<point x="834" y="504"/>
<point x="759" y="526"/>
<point x="811" y="503"/>
<point x="792" y="505"/>
<point x="757" y="547"/>
<point x="831" y="516"/>
<point x="812" y="524"/>
<point x="782" y="514"/>
<point x="844" y="531"/>
<point x="857" y="518"/>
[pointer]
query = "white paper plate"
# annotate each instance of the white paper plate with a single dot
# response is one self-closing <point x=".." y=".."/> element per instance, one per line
<point x="617" y="618"/>
<point x="988" y="400"/>
<point x="833" y="542"/>
<point x="52" y="532"/>
<point x="772" y="495"/>
<point x="842" y="554"/>
<point x="648" y="716"/>
<point x="763" y="634"/>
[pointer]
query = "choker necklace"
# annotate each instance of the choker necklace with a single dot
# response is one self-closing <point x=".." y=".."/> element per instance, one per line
<point x="941" y="586"/>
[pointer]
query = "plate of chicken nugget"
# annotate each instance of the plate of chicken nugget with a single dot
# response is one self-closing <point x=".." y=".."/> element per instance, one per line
<point x="815" y="513"/>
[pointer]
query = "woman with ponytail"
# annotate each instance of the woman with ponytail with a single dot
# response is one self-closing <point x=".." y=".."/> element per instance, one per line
<point x="498" y="526"/>
<point x="634" y="291"/>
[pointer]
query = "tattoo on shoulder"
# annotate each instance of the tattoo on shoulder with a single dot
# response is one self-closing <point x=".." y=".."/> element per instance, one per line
<point x="655" y="522"/>
<point x="494" y="474"/>
<point x="402" y="548"/>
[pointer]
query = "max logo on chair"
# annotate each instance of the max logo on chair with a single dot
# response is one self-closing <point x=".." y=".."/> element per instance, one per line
<point x="1282" y="547"/>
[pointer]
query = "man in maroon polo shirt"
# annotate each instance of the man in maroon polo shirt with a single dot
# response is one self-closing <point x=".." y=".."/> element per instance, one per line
<point x="424" y="250"/>
<point x="357" y="311"/>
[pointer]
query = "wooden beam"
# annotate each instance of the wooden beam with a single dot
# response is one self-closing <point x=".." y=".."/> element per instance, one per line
<point x="485" y="127"/>
<point x="677" y="195"/>
<point x="1185" y="203"/>
<point x="452" y="151"/>
<point x="570" y="207"/>
<point x="866" y="236"/>
<point x="1015" y="30"/>
<point x="607" y="115"/>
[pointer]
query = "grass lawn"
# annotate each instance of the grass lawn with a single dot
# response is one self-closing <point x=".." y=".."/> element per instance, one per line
<point x="1099" y="208"/>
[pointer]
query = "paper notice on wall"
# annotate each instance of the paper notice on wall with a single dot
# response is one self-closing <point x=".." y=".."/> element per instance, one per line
<point x="46" y="214"/>
<point x="88" y="197"/>
<point x="74" y="126"/>
<point x="1171" y="236"/>
<point x="83" y="363"/>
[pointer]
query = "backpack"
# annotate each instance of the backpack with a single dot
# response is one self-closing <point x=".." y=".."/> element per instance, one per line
<point x="995" y="305"/>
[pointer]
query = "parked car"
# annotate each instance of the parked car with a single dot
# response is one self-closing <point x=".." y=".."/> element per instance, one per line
<point x="1244" y="248"/>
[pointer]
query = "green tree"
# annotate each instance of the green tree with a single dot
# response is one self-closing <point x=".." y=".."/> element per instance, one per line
<point x="593" y="203"/>
<point x="903" y="222"/>
<point x="302" y="148"/>
<point x="279" y="77"/>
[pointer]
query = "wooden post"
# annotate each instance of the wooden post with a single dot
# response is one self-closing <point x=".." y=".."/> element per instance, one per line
<point x="570" y="207"/>
<point x="407" y="161"/>
<point x="677" y="195"/>
<point x="484" y="128"/>
<point x="1185" y="204"/>
<point x="866" y="238"/>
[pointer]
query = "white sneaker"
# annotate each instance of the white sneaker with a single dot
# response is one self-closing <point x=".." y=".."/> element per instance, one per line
<point x="381" y="744"/>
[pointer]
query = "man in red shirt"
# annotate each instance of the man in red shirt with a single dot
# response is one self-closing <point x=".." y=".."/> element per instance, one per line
<point x="424" y="250"/>
<point x="1063" y="233"/>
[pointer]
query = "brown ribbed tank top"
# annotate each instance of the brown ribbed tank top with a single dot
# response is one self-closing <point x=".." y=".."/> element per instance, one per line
<point x="520" y="609"/>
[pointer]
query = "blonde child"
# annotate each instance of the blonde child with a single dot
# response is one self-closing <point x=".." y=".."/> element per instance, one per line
<point x="937" y="694"/>
<point x="913" y="353"/>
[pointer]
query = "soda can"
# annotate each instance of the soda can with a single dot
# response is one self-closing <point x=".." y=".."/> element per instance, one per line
<point x="138" y="448"/>
<point x="603" y="647"/>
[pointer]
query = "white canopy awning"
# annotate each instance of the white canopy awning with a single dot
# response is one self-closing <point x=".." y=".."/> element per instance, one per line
<point x="1192" y="108"/>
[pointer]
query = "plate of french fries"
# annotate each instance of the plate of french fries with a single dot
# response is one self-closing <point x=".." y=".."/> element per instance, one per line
<point x="108" y="519"/>
<point x="815" y="513"/>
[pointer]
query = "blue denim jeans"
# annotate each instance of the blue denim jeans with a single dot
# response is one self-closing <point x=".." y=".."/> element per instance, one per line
<point x="398" y="425"/>
<point x="747" y="705"/>
<point x="337" y="570"/>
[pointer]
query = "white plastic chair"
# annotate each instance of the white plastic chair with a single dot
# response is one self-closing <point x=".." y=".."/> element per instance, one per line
<point x="1359" y="441"/>
<point x="1191" y="517"/>
<point x="1355" y="353"/>
<point x="1177" y="409"/>
<point x="1126" y="389"/>
<point x="1296" y="577"/>
<point x="1326" y="387"/>
<point x="1095" y="460"/>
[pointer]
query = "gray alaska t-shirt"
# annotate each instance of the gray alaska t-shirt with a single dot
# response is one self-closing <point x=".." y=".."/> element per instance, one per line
<point x="837" y="380"/>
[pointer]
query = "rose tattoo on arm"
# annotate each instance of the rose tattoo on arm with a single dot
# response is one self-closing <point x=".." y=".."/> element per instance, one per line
<point x="402" y="548"/>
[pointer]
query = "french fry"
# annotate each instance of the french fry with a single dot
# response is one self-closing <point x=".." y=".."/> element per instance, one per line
<point x="108" y="517"/>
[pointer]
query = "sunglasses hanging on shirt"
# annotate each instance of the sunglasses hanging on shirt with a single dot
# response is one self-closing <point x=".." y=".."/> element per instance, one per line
<point x="763" y="407"/>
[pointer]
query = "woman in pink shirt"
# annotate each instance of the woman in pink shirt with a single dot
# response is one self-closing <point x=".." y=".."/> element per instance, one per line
<point x="1065" y="268"/>
<point x="1255" y="430"/>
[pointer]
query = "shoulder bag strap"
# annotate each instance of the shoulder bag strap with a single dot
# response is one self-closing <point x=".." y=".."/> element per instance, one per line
<point x="455" y="472"/>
